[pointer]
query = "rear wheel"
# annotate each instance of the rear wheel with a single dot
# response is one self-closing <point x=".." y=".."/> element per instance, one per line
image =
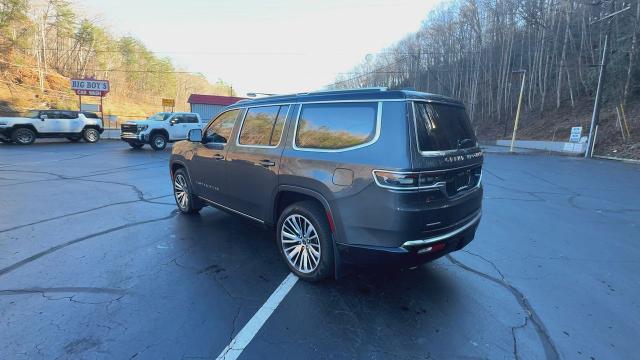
<point x="23" y="136"/>
<point x="91" y="135"/>
<point x="185" y="199"/>
<point x="304" y="241"/>
<point x="158" y="142"/>
<point x="136" y="145"/>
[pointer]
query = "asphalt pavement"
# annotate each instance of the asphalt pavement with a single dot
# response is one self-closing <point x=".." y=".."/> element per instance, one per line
<point x="96" y="263"/>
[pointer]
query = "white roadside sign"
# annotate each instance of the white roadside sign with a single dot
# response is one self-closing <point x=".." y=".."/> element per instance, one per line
<point x="576" y="134"/>
<point x="90" y="107"/>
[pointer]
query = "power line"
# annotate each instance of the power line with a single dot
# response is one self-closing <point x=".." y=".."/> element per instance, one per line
<point x="109" y="70"/>
<point x="378" y="70"/>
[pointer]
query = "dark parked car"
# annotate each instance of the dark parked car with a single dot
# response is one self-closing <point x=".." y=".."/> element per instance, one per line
<point x="367" y="176"/>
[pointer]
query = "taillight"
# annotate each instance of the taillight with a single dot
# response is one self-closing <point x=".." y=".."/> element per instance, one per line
<point x="407" y="180"/>
<point x="396" y="179"/>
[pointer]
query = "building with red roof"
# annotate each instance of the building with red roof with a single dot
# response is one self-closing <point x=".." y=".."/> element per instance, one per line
<point x="208" y="106"/>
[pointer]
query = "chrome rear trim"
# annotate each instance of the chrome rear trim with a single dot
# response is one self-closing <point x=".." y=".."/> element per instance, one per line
<point x="450" y="234"/>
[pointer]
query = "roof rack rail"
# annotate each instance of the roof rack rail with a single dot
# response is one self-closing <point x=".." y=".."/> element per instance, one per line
<point x="333" y="91"/>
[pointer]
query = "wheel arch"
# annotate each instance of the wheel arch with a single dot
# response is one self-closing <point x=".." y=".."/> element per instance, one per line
<point x="161" y="131"/>
<point x="91" y="126"/>
<point x="25" y="126"/>
<point x="289" y="194"/>
<point x="175" y="165"/>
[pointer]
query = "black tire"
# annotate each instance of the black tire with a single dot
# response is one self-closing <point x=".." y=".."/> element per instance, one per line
<point x="23" y="136"/>
<point x="315" y="214"/>
<point x="91" y="135"/>
<point x="187" y="203"/>
<point x="74" y="138"/>
<point x="158" y="141"/>
<point x="136" y="145"/>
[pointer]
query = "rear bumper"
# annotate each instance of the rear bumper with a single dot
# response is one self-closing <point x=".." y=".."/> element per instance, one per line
<point x="412" y="252"/>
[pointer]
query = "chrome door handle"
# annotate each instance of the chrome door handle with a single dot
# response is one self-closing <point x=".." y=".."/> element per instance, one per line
<point x="218" y="157"/>
<point x="266" y="163"/>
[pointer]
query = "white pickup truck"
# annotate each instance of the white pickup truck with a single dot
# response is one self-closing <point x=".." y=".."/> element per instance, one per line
<point x="159" y="129"/>
<point x="73" y="125"/>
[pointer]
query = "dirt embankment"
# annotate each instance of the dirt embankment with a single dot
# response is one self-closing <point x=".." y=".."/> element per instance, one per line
<point x="556" y="125"/>
<point x="20" y="91"/>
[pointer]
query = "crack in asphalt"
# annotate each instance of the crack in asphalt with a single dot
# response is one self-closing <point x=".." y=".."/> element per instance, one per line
<point x="47" y="161"/>
<point x="551" y="352"/>
<point x="516" y="354"/>
<point x="149" y="200"/>
<point x="38" y="290"/>
<point x="53" y="249"/>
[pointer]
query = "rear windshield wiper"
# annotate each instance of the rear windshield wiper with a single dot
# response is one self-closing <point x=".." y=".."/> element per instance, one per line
<point x="464" y="141"/>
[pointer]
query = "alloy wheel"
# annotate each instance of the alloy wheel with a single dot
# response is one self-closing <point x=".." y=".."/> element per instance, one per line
<point x="159" y="141"/>
<point x="24" y="136"/>
<point x="91" y="135"/>
<point x="181" y="191"/>
<point x="300" y="242"/>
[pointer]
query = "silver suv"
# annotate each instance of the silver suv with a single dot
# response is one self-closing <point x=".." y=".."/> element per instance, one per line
<point x="73" y="125"/>
<point x="365" y="176"/>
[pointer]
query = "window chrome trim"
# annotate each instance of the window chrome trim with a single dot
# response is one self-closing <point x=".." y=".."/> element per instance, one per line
<point x="450" y="234"/>
<point x="370" y="142"/>
<point x="232" y="210"/>
<point x="204" y="132"/>
<point x="244" y="117"/>
<point x="432" y="153"/>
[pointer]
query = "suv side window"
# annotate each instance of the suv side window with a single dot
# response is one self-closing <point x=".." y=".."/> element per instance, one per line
<point x="190" y="119"/>
<point x="68" y="115"/>
<point x="90" y="115"/>
<point x="336" y="126"/>
<point x="219" y="131"/>
<point x="263" y="126"/>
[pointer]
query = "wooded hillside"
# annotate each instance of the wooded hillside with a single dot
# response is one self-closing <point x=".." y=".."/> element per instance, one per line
<point x="469" y="49"/>
<point x="45" y="42"/>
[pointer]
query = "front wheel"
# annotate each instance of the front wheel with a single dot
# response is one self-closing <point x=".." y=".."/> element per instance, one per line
<point x="158" y="142"/>
<point x="23" y="136"/>
<point x="305" y="242"/>
<point x="185" y="199"/>
<point x="91" y="135"/>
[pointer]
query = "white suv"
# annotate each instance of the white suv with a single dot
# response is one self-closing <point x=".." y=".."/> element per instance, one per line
<point x="73" y="125"/>
<point x="159" y="129"/>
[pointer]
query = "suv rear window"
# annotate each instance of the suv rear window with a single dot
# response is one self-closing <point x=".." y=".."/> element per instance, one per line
<point x="336" y="126"/>
<point x="90" y="115"/>
<point x="262" y="126"/>
<point x="442" y="127"/>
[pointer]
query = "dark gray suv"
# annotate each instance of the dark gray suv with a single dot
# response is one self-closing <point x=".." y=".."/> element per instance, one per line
<point x="368" y="176"/>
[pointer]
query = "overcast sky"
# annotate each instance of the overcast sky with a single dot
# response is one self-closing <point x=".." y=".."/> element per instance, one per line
<point x="280" y="46"/>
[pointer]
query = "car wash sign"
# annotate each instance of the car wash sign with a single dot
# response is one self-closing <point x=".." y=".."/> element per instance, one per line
<point x="90" y="87"/>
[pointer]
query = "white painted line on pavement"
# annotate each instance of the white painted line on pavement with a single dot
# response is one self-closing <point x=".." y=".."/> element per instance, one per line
<point x="244" y="337"/>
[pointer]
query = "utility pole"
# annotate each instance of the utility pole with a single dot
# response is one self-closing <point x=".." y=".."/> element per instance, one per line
<point x="515" y="125"/>
<point x="595" y="117"/>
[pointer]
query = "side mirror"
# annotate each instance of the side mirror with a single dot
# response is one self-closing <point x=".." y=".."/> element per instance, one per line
<point x="43" y="116"/>
<point x="173" y="122"/>
<point x="195" y="135"/>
